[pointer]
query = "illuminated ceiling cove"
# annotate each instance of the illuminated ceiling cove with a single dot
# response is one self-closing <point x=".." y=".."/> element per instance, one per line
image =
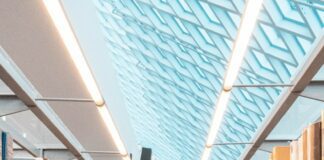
<point x="171" y="57"/>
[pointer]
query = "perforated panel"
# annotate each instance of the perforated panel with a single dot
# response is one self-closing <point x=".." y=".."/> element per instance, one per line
<point x="171" y="56"/>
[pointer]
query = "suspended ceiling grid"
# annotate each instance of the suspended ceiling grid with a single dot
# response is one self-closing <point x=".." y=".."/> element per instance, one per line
<point x="171" y="56"/>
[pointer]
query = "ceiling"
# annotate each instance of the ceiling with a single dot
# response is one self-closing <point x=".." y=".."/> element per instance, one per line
<point x="30" y="39"/>
<point x="173" y="55"/>
<point x="160" y="65"/>
<point x="308" y="111"/>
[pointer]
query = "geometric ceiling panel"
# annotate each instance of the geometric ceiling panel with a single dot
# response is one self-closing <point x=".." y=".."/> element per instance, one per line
<point x="171" y="57"/>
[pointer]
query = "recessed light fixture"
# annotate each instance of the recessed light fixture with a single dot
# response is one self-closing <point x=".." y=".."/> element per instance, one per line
<point x="57" y="15"/>
<point x="62" y="24"/>
<point x="218" y="116"/>
<point x="247" y="25"/>
<point x="105" y="115"/>
<point x="248" y="21"/>
<point x="206" y="153"/>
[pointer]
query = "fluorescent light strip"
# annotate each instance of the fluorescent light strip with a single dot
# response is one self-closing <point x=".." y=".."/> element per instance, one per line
<point x="248" y="22"/>
<point x="206" y="153"/>
<point x="105" y="115"/>
<point x="57" y="14"/>
<point x="218" y="116"/>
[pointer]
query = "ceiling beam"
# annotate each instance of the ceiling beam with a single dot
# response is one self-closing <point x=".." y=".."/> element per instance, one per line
<point x="49" y="153"/>
<point x="314" y="91"/>
<point x="11" y="75"/>
<point x="261" y="85"/>
<point x="289" y="95"/>
<point x="19" y="139"/>
<point x="11" y="104"/>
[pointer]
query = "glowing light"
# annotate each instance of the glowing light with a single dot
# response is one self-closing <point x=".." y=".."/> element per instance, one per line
<point x="56" y="13"/>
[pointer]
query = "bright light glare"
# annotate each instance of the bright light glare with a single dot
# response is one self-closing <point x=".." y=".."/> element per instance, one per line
<point x="248" y="22"/>
<point x="218" y="116"/>
<point x="56" y="12"/>
<point x="105" y="115"/>
<point x="24" y="135"/>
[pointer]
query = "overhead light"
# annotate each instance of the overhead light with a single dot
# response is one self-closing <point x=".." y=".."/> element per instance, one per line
<point x="218" y="116"/>
<point x="4" y="118"/>
<point x="57" y="15"/>
<point x="105" y="115"/>
<point x="248" y="22"/>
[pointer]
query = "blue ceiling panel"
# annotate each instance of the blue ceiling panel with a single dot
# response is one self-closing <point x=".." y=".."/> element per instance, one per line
<point x="171" y="57"/>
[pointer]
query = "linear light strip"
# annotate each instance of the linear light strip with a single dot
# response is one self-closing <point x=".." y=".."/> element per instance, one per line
<point x="105" y="115"/>
<point x="206" y="153"/>
<point x="218" y="116"/>
<point x="248" y="22"/>
<point x="57" y="15"/>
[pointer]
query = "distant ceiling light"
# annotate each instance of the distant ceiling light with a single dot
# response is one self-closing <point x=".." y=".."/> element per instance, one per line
<point x="24" y="135"/>
<point x="247" y="25"/>
<point x="4" y="118"/>
<point x="57" y="14"/>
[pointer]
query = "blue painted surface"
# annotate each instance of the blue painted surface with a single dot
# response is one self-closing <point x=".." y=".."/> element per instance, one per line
<point x="171" y="56"/>
<point x="4" y="145"/>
